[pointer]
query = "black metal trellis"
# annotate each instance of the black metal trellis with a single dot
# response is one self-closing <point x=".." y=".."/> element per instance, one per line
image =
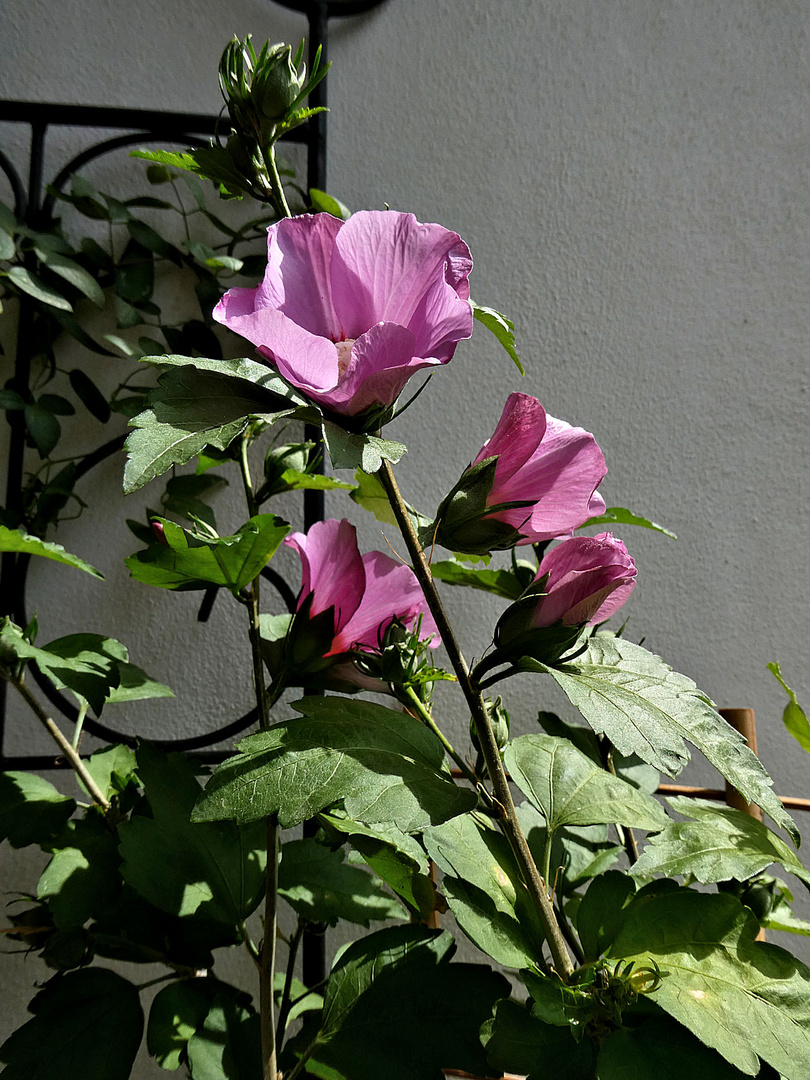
<point x="34" y="207"/>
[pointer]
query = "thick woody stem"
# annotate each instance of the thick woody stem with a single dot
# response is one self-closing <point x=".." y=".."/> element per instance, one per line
<point x="507" y="816"/>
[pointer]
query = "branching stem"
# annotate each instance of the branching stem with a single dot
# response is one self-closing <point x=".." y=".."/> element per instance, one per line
<point x="489" y="747"/>
<point x="61" y="740"/>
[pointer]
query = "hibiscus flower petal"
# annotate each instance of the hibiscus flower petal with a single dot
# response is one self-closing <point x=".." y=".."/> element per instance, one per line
<point x="297" y="278"/>
<point x="331" y="569"/>
<point x="382" y="360"/>
<point x="440" y="321"/>
<point x="385" y="262"/>
<point x="519" y="432"/>
<point x="391" y="591"/>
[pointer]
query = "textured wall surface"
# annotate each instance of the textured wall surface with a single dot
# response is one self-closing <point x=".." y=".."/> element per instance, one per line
<point x="632" y="179"/>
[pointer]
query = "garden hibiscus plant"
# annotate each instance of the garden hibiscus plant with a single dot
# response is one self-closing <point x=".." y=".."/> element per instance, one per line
<point x="628" y="946"/>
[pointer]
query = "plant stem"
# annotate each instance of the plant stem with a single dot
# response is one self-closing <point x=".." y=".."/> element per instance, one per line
<point x="62" y="741"/>
<point x="77" y="731"/>
<point x="486" y="737"/>
<point x="275" y="186"/>
<point x="419" y="707"/>
<point x="286" y="1003"/>
<point x="267" y="948"/>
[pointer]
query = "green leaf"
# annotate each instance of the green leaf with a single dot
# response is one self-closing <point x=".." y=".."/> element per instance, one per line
<point x="720" y="844"/>
<point x="386" y="766"/>
<point x="43" y="427"/>
<point x="794" y="717"/>
<point x="569" y="789"/>
<point x="32" y="811"/>
<point x="82" y="878"/>
<point x="577" y="853"/>
<point x="11" y="400"/>
<point x="184" y="562"/>
<point x="781" y="915"/>
<point x="393" y="984"/>
<point x="484" y="889"/>
<point x="661" y="1049"/>
<point x="518" y="1042"/>
<point x="90" y="395"/>
<point x="85" y="663"/>
<point x="177" y="1011"/>
<point x="370" y="495"/>
<point x="500" y="582"/>
<point x="56" y="404"/>
<point x="646" y="708"/>
<point x="33" y="285"/>
<point x="228" y="1044"/>
<point x="87" y="1025"/>
<point x="392" y="854"/>
<point x="190" y="408"/>
<point x="348" y="450"/>
<point x="14" y="540"/>
<point x="618" y="515"/>
<point x="136" y="685"/>
<point x="8" y="249"/>
<point x="186" y="868"/>
<point x="321" y="887"/>
<point x="501" y="327"/>
<point x="601" y="911"/>
<point x="746" y="999"/>
<point x="146" y="236"/>
<point x="113" y="769"/>
<point x="134" y="277"/>
<point x="327" y="204"/>
<point x="74" y="274"/>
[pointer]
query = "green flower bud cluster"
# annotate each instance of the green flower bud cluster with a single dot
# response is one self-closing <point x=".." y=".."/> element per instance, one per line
<point x="261" y="90"/>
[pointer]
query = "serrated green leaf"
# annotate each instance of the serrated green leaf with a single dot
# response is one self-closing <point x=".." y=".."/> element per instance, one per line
<point x="228" y="1045"/>
<point x="349" y="450"/>
<point x="177" y="1011"/>
<point x="14" y="540"/>
<point x="185" y="868"/>
<point x="518" y="1042"/>
<point x="485" y="891"/>
<point x="746" y="999"/>
<point x="191" y="407"/>
<point x="85" y="663"/>
<point x="646" y="708"/>
<point x="661" y="1049"/>
<point x="113" y="769"/>
<point x="392" y="854"/>
<point x="396" y="982"/>
<point x="386" y="766"/>
<point x="33" y="285"/>
<point x="370" y="495"/>
<point x="321" y="887"/>
<point x="82" y="879"/>
<point x="186" y="563"/>
<point x="501" y="582"/>
<point x="86" y="1024"/>
<point x="569" y="789"/>
<point x="32" y="811"/>
<point x="502" y="328"/>
<point x="720" y="844"/>
<point x="600" y="912"/>
<point x="619" y="515"/>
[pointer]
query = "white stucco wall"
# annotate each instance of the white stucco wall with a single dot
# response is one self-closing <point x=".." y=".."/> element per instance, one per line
<point x="632" y="179"/>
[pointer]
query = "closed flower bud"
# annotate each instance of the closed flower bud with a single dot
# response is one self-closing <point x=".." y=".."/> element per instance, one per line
<point x="276" y="83"/>
<point x="583" y="580"/>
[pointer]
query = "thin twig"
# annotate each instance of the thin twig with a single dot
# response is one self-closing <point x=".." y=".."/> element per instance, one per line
<point x="62" y="741"/>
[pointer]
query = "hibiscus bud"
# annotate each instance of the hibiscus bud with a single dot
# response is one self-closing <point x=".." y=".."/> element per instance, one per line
<point x="582" y="580"/>
<point x="276" y="83"/>
<point x="499" y="720"/>
<point x="534" y="480"/>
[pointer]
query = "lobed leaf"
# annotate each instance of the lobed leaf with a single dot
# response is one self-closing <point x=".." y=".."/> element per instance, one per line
<point x="386" y="767"/>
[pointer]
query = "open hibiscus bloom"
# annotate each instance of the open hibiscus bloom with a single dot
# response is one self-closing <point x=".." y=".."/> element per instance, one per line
<point x="534" y="480"/>
<point x="348" y="601"/>
<point x="348" y="311"/>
